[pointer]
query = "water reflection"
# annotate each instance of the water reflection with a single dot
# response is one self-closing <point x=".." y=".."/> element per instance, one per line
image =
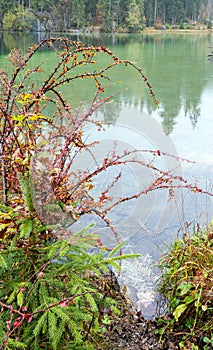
<point x="176" y="65"/>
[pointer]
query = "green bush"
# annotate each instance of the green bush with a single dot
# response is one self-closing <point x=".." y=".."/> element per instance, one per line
<point x="187" y="286"/>
<point x="209" y="24"/>
<point x="19" y="19"/>
<point x="52" y="295"/>
<point x="190" y="26"/>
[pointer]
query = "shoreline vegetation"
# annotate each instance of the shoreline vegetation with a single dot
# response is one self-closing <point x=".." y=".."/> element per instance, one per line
<point x="184" y="318"/>
<point x="148" y="30"/>
<point x="178" y="31"/>
<point x="96" y="30"/>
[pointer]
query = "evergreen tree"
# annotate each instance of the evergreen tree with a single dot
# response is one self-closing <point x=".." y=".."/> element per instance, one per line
<point x="104" y="14"/>
<point x="175" y="11"/>
<point x="135" y="15"/>
<point x="149" y="12"/>
<point x="5" y="6"/>
<point x="77" y="13"/>
<point x="90" y="11"/>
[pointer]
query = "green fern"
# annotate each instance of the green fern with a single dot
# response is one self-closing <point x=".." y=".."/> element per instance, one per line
<point x="42" y="291"/>
<point x="52" y="325"/>
<point x="5" y="208"/>
<point x="71" y="324"/>
<point x="26" y="228"/>
<point x="92" y="302"/>
<point x="70" y="271"/>
<point x="24" y="182"/>
<point x="41" y="325"/>
<point x="16" y="290"/>
<point x="60" y="330"/>
<point x="3" y="262"/>
<point x="14" y="344"/>
<point x="2" y="329"/>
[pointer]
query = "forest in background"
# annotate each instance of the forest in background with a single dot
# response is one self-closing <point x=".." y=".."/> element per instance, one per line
<point x="104" y="15"/>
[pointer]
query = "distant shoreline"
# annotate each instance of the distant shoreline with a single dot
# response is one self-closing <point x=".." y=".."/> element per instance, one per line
<point x="178" y="31"/>
<point x="145" y="31"/>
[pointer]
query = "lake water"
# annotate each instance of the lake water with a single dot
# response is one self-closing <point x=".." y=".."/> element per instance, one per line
<point x="182" y="79"/>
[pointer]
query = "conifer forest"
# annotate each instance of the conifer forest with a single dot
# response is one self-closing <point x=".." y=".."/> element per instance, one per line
<point x="103" y="15"/>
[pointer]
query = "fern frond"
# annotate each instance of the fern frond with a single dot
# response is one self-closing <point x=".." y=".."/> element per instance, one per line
<point x="16" y="289"/>
<point x="92" y="303"/>
<point x="40" y="324"/>
<point x="83" y="230"/>
<point x="74" y="329"/>
<point x="59" y="333"/>
<point x="46" y="228"/>
<point x="3" y="262"/>
<point x="61" y="313"/>
<point x="82" y="314"/>
<point x="123" y="257"/>
<point x="43" y="292"/>
<point x="26" y="228"/>
<point x="116" y="250"/>
<point x="73" y="326"/>
<point x="2" y="330"/>
<point x="16" y="344"/>
<point x="83" y="347"/>
<point x="49" y="300"/>
<point x="52" y="326"/>
<point x="26" y="190"/>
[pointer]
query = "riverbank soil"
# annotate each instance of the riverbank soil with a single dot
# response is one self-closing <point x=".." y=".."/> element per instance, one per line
<point x="135" y="333"/>
<point x="129" y="330"/>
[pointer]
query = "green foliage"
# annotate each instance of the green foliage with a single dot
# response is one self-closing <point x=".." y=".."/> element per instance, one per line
<point x="134" y="16"/>
<point x="187" y="284"/>
<point x="78" y="13"/>
<point x="209" y="24"/>
<point x="109" y="15"/>
<point x="181" y="25"/>
<point x="51" y="295"/>
<point x="18" y="19"/>
<point x="9" y="20"/>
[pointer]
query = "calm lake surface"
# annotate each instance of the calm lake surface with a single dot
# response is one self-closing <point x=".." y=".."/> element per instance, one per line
<point x="182" y="78"/>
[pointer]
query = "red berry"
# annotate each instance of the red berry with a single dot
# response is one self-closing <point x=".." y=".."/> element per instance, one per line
<point x="16" y="324"/>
